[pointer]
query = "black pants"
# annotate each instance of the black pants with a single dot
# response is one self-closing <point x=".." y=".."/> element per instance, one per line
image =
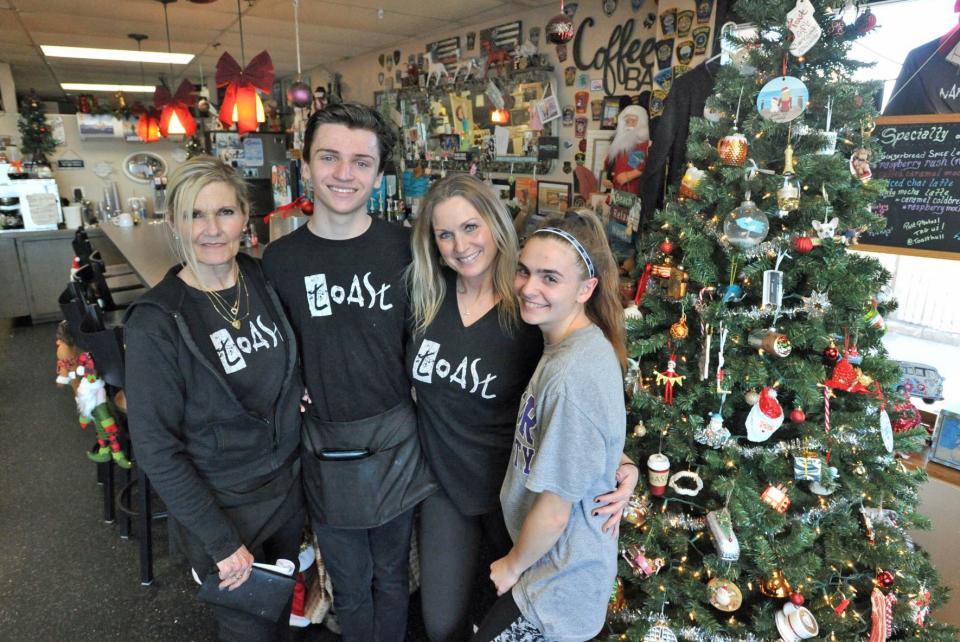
<point x="237" y="626"/>
<point x="369" y="569"/>
<point x="505" y="623"/>
<point x="454" y="547"/>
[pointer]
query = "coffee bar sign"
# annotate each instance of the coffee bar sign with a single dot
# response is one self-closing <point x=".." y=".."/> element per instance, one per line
<point x="626" y="62"/>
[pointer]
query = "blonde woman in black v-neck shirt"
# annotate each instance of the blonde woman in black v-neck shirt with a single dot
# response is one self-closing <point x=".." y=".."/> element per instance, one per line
<point x="469" y="358"/>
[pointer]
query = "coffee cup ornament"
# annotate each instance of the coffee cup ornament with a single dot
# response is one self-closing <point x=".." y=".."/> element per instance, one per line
<point x="688" y="184"/>
<point x="658" y="473"/>
<point x="796" y="623"/>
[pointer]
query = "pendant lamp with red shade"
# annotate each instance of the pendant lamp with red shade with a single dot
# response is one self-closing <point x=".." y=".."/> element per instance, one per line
<point x="241" y="102"/>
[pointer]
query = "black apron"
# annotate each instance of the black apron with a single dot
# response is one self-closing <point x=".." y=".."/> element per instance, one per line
<point x="363" y="473"/>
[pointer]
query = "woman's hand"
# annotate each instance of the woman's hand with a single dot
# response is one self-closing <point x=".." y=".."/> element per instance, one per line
<point x="503" y="575"/>
<point x="235" y="569"/>
<point x="614" y="502"/>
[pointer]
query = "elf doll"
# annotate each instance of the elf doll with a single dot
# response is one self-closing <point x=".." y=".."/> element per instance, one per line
<point x="93" y="408"/>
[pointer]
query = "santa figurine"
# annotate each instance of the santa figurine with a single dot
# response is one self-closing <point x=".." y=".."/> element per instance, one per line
<point x="765" y="417"/>
<point x="627" y="155"/>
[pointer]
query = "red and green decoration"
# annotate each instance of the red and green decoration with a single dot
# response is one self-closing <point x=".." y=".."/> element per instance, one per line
<point x="36" y="139"/>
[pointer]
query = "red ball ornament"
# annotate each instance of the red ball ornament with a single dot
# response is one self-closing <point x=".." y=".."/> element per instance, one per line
<point x="560" y="29"/>
<point x="306" y="206"/>
<point x="797" y="416"/>
<point x="885" y="579"/>
<point x="831" y="353"/>
<point x="803" y="244"/>
<point x="797" y="598"/>
<point x="666" y="246"/>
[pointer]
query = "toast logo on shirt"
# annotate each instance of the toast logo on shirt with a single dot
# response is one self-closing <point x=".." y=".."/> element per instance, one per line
<point x="231" y="350"/>
<point x="523" y="444"/>
<point x="427" y="362"/>
<point x="320" y="297"/>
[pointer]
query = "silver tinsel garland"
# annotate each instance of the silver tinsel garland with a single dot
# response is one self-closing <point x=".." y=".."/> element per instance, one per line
<point x="684" y="632"/>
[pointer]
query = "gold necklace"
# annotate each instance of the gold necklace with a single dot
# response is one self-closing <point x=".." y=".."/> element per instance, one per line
<point x="231" y="314"/>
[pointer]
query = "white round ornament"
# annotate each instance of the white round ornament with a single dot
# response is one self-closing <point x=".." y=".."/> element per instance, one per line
<point x="684" y="490"/>
<point x="783" y="99"/>
<point x="660" y="632"/>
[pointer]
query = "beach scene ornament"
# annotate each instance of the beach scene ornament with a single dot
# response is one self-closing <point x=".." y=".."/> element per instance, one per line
<point x="783" y="99"/>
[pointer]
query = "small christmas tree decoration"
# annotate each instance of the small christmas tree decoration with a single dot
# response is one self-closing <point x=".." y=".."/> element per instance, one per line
<point x="886" y="430"/>
<point x="765" y="417"/>
<point x="797" y="415"/>
<point x="776" y="585"/>
<point x="751" y="397"/>
<point x="679" y="330"/>
<point x="666" y="246"/>
<point x="796" y="623"/>
<point x="803" y="244"/>
<point x="36" y="139"/>
<point x="637" y="510"/>
<point x="665" y="269"/>
<point x="724" y="595"/>
<point x="688" y="184"/>
<point x="714" y="434"/>
<point x="878" y="617"/>
<point x="797" y="599"/>
<point x="807" y="467"/>
<point x="720" y="526"/>
<point x="643" y="567"/>
<point x="830" y="353"/>
<point x="803" y="27"/>
<point x="692" y="484"/>
<point x="733" y="149"/>
<point x="559" y="29"/>
<point x="788" y="194"/>
<point x="920" y="606"/>
<point x="885" y="578"/>
<point x="770" y="341"/>
<point x="747" y="226"/>
<point x="660" y="632"/>
<point x="677" y="283"/>
<point x="658" y="473"/>
<point x="772" y="290"/>
<point x="618" y="601"/>
<point x="639" y="430"/>
<point x="668" y="378"/>
<point x="776" y="498"/>
<point x="783" y="99"/>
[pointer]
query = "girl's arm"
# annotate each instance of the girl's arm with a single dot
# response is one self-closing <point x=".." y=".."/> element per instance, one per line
<point x="541" y="529"/>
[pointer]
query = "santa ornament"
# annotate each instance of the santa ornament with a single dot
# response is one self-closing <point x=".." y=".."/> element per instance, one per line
<point x="765" y="417"/>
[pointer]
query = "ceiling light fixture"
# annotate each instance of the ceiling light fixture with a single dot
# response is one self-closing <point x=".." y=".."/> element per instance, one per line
<point x="175" y="117"/>
<point x="86" y="86"/>
<point x="124" y="55"/>
<point x="241" y="102"/>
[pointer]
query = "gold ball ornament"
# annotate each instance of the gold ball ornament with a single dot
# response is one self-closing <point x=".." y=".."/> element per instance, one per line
<point x="637" y="510"/>
<point x="776" y="586"/>
<point x="733" y="149"/>
<point x="639" y="430"/>
<point x="679" y="330"/>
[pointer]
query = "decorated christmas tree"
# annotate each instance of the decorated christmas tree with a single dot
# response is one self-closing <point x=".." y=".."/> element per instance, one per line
<point x="36" y="139"/>
<point x="775" y="505"/>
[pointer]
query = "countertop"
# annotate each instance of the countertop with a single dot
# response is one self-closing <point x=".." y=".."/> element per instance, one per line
<point x="148" y="248"/>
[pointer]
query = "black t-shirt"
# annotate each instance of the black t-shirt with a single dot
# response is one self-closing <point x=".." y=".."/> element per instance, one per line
<point x="469" y="381"/>
<point x="253" y="358"/>
<point x="348" y="306"/>
<point x="935" y="89"/>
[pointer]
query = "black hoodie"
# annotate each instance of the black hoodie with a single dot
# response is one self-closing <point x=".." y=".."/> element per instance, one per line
<point x="191" y="434"/>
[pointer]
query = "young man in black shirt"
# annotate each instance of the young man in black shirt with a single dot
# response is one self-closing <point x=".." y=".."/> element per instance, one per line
<point x="340" y="278"/>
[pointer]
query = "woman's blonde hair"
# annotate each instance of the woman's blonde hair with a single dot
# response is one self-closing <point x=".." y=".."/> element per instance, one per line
<point x="425" y="280"/>
<point x="184" y="185"/>
<point x="603" y="308"/>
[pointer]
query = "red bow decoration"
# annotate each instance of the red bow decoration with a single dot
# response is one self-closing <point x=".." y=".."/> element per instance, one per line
<point x="302" y="203"/>
<point x="242" y="86"/>
<point x="179" y="104"/>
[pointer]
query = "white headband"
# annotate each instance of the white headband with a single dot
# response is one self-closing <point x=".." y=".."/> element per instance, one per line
<point x="570" y="238"/>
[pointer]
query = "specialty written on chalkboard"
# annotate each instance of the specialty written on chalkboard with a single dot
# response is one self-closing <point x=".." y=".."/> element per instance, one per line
<point x="890" y="136"/>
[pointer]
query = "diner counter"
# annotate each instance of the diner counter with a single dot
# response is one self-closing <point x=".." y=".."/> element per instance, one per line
<point x="148" y="248"/>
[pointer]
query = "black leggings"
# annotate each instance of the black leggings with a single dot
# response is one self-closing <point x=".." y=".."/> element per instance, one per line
<point x="451" y="546"/>
<point x="505" y="623"/>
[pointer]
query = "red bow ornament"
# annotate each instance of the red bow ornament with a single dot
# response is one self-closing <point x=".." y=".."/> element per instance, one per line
<point x="179" y="104"/>
<point x="242" y="86"/>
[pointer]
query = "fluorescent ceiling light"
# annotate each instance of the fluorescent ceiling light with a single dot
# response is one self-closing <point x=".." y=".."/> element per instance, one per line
<point x="124" y="55"/>
<point x="83" y="86"/>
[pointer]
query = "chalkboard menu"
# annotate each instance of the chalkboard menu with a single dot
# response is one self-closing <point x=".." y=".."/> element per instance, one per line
<point x="921" y="164"/>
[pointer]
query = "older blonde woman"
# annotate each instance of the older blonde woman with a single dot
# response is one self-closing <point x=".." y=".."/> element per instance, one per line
<point x="213" y="394"/>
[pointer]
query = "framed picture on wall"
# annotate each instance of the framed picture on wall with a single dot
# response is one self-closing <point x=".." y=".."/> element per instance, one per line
<point x="946" y="439"/>
<point x="504" y="188"/>
<point x="552" y="198"/>
<point x="99" y="126"/>
<point x="611" y="109"/>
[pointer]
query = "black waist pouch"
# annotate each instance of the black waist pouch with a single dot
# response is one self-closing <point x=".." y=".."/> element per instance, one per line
<point x="363" y="473"/>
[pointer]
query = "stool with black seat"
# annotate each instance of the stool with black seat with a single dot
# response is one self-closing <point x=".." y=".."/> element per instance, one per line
<point x="106" y="345"/>
<point x="83" y="249"/>
<point x="106" y="281"/>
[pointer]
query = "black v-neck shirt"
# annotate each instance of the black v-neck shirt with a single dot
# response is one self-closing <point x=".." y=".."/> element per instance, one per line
<point x="469" y="381"/>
